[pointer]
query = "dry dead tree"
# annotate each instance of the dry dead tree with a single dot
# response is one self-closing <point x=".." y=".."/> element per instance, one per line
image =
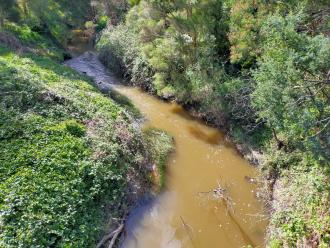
<point x="221" y="194"/>
<point x="113" y="236"/>
<point x="117" y="232"/>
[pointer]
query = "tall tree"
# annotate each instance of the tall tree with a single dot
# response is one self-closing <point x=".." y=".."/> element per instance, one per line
<point x="293" y="85"/>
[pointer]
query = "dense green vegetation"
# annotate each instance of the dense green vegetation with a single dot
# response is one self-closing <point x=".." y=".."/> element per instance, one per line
<point x="159" y="146"/>
<point x="22" y="37"/>
<point x="50" y="17"/>
<point x="62" y="160"/>
<point x="258" y="68"/>
<point x="68" y="152"/>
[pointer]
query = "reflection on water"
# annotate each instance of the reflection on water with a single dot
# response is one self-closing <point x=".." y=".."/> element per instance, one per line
<point x="158" y="217"/>
<point x="204" y="175"/>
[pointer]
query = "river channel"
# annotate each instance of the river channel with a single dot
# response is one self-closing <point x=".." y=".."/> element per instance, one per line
<point x="207" y="201"/>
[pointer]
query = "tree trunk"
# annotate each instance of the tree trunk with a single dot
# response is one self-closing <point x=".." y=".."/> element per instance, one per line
<point x="25" y="7"/>
<point x="193" y="34"/>
<point x="280" y="143"/>
<point x="2" y="18"/>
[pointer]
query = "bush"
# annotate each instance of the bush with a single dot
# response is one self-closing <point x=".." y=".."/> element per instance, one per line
<point x="40" y="44"/>
<point x="290" y="93"/>
<point x="101" y="23"/>
<point x="300" y="209"/>
<point x="158" y="145"/>
<point x="119" y="51"/>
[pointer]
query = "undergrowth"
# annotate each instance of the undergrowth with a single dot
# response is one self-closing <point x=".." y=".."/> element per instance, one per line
<point x="301" y="216"/>
<point x="159" y="146"/>
<point x="40" y="44"/>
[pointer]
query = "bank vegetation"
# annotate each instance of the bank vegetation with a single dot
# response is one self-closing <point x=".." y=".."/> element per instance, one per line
<point x="258" y="69"/>
<point x="72" y="160"/>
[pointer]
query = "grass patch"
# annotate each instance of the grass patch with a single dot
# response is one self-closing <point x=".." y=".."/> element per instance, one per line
<point x="40" y="44"/>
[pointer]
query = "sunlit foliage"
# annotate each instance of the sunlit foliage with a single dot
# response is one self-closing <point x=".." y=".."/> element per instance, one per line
<point x="258" y="68"/>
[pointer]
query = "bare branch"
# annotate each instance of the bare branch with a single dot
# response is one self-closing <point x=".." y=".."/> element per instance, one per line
<point x="112" y="235"/>
<point x="117" y="232"/>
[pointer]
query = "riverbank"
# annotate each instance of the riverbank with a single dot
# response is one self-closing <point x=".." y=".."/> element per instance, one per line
<point x="200" y="143"/>
<point x="158" y="144"/>
<point x="170" y="51"/>
<point x="283" y="187"/>
<point x="73" y="160"/>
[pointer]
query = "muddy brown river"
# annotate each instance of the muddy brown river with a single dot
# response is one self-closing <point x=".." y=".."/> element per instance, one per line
<point x="207" y="201"/>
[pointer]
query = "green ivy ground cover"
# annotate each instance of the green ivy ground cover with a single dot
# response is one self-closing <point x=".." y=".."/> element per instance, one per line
<point x="61" y="158"/>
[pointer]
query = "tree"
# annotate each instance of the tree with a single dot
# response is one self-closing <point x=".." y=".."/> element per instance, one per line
<point x="292" y="90"/>
<point x="245" y="18"/>
<point x="115" y="10"/>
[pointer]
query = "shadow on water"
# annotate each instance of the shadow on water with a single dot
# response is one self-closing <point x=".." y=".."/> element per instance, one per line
<point x="212" y="138"/>
<point x="179" y="110"/>
<point x="143" y="206"/>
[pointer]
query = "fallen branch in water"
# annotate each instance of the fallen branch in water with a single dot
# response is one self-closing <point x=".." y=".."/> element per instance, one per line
<point x="117" y="232"/>
<point x="188" y="229"/>
<point x="220" y="193"/>
<point x="112" y="235"/>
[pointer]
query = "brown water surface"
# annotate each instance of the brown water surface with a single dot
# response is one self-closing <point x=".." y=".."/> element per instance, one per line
<point x="190" y="213"/>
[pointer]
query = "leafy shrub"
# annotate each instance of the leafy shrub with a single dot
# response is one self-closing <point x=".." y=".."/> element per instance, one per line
<point x="301" y="213"/>
<point x="74" y="128"/>
<point x="290" y="93"/>
<point x="41" y="44"/>
<point x="158" y="145"/>
<point x="24" y="33"/>
<point x="120" y="52"/>
<point x="101" y="23"/>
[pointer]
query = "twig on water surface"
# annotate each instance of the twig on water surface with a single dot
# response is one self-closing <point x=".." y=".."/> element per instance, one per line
<point x="220" y="193"/>
<point x="188" y="230"/>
